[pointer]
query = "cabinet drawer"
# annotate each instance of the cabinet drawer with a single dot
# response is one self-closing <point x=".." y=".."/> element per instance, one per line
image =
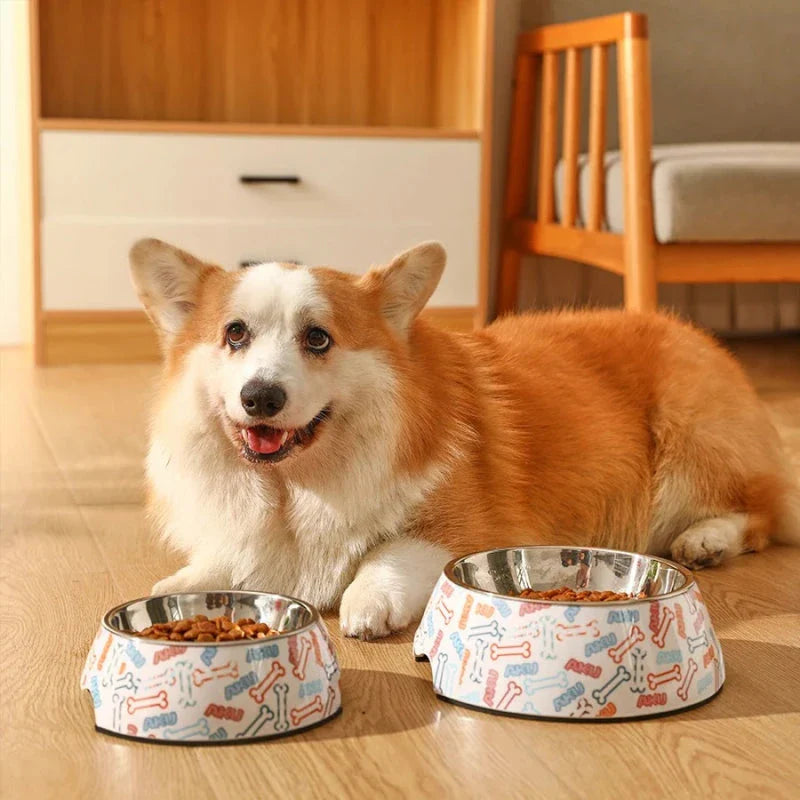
<point x="198" y="176"/>
<point x="85" y="260"/>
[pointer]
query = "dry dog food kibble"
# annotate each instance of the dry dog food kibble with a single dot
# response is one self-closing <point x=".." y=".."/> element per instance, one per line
<point x="202" y="629"/>
<point x="570" y="595"/>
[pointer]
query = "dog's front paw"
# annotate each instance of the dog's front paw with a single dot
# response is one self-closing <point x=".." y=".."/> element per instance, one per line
<point x="370" y="611"/>
<point x="189" y="579"/>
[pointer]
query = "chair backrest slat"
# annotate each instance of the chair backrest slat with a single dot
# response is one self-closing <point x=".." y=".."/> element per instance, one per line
<point x="572" y="132"/>
<point x="547" y="138"/>
<point x="598" y="94"/>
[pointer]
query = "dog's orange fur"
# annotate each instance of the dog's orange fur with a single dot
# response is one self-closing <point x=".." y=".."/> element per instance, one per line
<point x="558" y="428"/>
<point x="570" y="422"/>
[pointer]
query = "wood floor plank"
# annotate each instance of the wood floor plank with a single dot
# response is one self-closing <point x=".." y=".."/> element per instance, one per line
<point x="75" y="541"/>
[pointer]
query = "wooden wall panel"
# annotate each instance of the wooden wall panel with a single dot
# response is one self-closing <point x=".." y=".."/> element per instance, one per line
<point x="336" y="62"/>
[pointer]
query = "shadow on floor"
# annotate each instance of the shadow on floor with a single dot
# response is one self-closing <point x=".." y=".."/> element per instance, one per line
<point x="761" y="680"/>
<point x="376" y="703"/>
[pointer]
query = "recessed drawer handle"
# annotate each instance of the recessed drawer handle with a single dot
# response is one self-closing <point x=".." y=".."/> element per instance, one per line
<point x="251" y="262"/>
<point x="269" y="178"/>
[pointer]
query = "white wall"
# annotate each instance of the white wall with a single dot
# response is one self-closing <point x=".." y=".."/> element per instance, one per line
<point x="15" y="293"/>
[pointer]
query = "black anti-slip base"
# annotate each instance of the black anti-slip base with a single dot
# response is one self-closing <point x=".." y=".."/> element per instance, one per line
<point x="588" y="720"/>
<point x="218" y="742"/>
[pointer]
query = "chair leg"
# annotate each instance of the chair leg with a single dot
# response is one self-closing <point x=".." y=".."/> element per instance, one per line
<point x="635" y="140"/>
<point x="641" y="287"/>
<point x="508" y="280"/>
<point x="517" y="178"/>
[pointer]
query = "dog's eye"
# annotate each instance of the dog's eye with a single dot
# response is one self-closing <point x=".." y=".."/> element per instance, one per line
<point x="318" y="340"/>
<point x="236" y="334"/>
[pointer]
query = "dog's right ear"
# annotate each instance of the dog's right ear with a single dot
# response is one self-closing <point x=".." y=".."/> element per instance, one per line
<point x="167" y="280"/>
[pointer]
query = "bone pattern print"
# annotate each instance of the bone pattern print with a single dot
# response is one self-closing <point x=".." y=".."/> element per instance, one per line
<point x="158" y="691"/>
<point x="638" y="684"/>
<point x="577" y="662"/>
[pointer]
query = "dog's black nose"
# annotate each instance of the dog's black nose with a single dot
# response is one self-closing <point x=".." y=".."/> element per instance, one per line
<point x="262" y="399"/>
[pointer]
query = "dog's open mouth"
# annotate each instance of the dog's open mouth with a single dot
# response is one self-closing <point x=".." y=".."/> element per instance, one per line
<point x="265" y="443"/>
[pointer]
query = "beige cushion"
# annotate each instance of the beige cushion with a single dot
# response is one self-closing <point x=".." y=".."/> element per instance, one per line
<point x="727" y="192"/>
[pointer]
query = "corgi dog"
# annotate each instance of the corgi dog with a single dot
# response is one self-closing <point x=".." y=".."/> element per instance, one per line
<point x="314" y="436"/>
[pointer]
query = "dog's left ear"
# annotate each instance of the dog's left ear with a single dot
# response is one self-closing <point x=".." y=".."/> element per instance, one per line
<point x="407" y="283"/>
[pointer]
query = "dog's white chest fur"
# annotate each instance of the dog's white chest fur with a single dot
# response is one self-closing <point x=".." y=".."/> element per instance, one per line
<point x="244" y="528"/>
<point x="245" y="532"/>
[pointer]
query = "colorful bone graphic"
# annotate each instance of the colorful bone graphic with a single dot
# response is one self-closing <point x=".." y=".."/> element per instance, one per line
<point x="299" y="669"/>
<point x="135" y="704"/>
<point x="639" y="656"/>
<point x="259" y="691"/>
<point x="546" y="627"/>
<point x="660" y="636"/>
<point x="656" y="679"/>
<point x="449" y="678"/>
<point x="442" y="608"/>
<point x="297" y="715"/>
<point x="229" y="670"/>
<point x="117" y="715"/>
<point x="695" y="642"/>
<point x="257" y="723"/>
<point x="438" y="676"/>
<point x="476" y="675"/>
<point x="493" y="628"/>
<point x="329" y="703"/>
<point x="165" y="678"/>
<point x="128" y="681"/>
<point x="560" y="679"/>
<point x="611" y="685"/>
<point x="513" y="690"/>
<point x="199" y="728"/>
<point x="569" y="631"/>
<point x="282" y="723"/>
<point x="583" y="708"/>
<point x="522" y="649"/>
<point x="331" y="668"/>
<point x="184" y="672"/>
<point x="634" y="637"/>
<point x="683" y="689"/>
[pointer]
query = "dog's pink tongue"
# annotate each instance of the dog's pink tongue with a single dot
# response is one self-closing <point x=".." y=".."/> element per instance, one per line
<point x="264" y="440"/>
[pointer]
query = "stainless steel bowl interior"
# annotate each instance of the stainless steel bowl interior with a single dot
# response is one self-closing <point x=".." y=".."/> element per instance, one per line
<point x="284" y="614"/>
<point x="508" y="571"/>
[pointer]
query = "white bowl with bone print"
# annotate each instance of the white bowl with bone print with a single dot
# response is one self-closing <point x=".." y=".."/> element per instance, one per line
<point x="214" y="692"/>
<point x="582" y="661"/>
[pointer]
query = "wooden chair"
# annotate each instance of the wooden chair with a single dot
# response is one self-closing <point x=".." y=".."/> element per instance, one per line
<point x="634" y="253"/>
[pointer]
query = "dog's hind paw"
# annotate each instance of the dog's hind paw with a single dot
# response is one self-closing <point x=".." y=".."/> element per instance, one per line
<point x="709" y="542"/>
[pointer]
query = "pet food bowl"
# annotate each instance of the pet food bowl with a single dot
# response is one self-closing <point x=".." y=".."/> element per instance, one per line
<point x="569" y="660"/>
<point x="212" y="692"/>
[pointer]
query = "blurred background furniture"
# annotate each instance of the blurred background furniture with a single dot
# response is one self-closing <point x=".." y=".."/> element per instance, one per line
<point x="693" y="213"/>
<point x="318" y="131"/>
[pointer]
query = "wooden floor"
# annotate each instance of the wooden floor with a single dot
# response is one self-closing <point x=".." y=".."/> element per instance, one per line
<point x="74" y="543"/>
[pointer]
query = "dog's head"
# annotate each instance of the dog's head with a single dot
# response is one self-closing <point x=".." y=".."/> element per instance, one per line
<point x="283" y="353"/>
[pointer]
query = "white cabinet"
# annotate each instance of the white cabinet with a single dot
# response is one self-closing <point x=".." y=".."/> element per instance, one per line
<point x="356" y="202"/>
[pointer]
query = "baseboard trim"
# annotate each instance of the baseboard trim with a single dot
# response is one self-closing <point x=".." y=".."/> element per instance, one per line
<point x="127" y="337"/>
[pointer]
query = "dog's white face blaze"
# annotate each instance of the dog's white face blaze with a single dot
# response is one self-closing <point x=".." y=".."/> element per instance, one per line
<point x="278" y="305"/>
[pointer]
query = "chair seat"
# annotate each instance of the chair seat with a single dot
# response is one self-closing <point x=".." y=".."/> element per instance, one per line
<point x="721" y="192"/>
